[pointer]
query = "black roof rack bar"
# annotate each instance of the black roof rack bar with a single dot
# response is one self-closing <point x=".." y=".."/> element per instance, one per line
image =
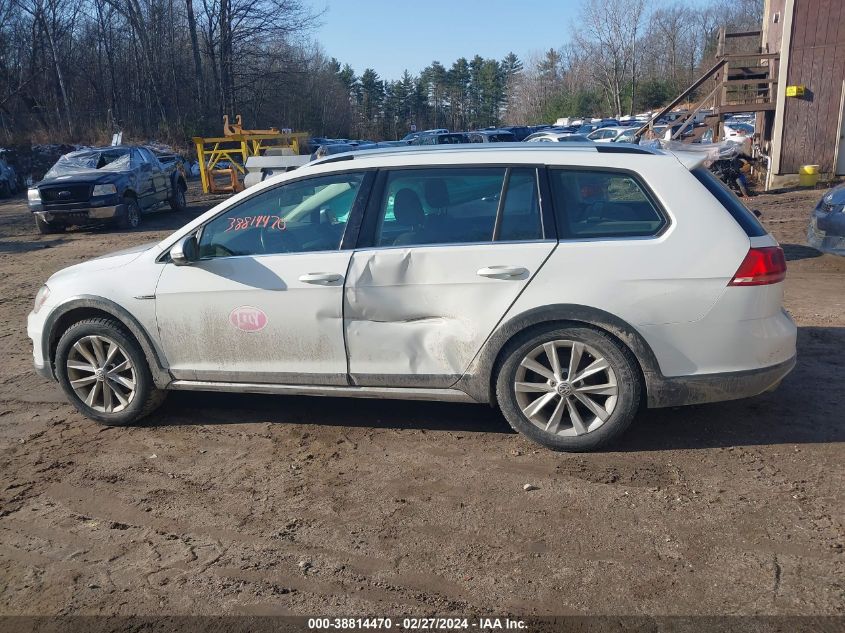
<point x="620" y="149"/>
<point x="335" y="159"/>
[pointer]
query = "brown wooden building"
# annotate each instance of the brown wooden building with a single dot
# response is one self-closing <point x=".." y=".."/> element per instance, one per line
<point x="808" y="37"/>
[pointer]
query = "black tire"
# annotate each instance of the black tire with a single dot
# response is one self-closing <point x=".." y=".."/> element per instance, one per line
<point x="620" y="360"/>
<point x="177" y="200"/>
<point x="145" y="399"/>
<point x="48" y="228"/>
<point x="131" y="218"/>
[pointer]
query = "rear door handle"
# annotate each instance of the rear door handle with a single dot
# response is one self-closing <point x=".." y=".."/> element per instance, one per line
<point x="320" y="278"/>
<point x="503" y="272"/>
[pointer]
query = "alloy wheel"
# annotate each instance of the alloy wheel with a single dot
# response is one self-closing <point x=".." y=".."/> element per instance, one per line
<point x="101" y="374"/>
<point x="566" y="388"/>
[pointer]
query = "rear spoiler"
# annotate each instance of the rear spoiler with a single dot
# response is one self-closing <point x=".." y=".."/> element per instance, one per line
<point x="691" y="160"/>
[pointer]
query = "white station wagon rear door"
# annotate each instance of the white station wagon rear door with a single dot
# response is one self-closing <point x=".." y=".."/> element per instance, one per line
<point x="443" y="254"/>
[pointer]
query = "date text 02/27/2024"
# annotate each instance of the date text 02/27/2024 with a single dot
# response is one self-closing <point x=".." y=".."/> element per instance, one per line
<point x="417" y="624"/>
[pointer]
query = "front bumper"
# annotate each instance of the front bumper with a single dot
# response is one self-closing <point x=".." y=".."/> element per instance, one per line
<point x="34" y="330"/>
<point x="683" y="390"/>
<point x="82" y="216"/>
<point x="826" y="232"/>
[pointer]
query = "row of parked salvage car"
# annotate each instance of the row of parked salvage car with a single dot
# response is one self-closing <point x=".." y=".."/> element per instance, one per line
<point x="606" y="131"/>
<point x="115" y="185"/>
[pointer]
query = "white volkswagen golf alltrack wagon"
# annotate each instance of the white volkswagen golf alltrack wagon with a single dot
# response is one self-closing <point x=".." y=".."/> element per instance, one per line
<point x="567" y="286"/>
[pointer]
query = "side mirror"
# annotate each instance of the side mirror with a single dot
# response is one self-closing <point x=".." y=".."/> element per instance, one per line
<point x="185" y="251"/>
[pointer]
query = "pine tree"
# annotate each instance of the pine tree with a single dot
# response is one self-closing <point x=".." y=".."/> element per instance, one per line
<point x="458" y="87"/>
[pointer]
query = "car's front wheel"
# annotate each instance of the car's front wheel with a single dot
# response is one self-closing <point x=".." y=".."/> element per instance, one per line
<point x="568" y="388"/>
<point x="104" y="372"/>
<point x="131" y="218"/>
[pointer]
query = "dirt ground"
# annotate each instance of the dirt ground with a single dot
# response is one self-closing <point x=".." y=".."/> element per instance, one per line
<point x="247" y="504"/>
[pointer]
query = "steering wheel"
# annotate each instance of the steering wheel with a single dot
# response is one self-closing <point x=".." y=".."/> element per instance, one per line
<point x="278" y="241"/>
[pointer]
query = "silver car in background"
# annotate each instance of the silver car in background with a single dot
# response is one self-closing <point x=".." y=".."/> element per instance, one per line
<point x="827" y="223"/>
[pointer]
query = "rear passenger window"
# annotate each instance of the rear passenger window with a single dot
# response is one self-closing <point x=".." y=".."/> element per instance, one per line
<point x="521" y="211"/>
<point x="596" y="203"/>
<point x="453" y="206"/>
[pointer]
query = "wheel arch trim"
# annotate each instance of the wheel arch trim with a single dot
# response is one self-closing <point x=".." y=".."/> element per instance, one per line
<point x="153" y="353"/>
<point x="479" y="381"/>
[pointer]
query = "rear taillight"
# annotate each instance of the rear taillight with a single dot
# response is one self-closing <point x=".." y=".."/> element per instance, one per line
<point x="761" y="266"/>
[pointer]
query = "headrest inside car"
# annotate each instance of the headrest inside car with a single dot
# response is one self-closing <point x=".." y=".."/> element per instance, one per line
<point x="436" y="193"/>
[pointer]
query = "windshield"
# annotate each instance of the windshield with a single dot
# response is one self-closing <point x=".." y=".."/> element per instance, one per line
<point x="91" y="160"/>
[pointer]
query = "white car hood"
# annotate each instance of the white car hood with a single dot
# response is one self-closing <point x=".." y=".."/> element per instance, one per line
<point x="104" y="262"/>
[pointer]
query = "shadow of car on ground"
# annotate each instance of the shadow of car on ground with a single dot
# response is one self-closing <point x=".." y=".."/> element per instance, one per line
<point x="804" y="409"/>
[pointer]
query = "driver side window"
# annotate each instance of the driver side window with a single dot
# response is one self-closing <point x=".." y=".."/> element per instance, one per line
<point x="302" y="216"/>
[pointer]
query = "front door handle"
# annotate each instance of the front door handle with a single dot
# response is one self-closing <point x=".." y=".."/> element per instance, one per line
<point x="503" y="272"/>
<point x="320" y="278"/>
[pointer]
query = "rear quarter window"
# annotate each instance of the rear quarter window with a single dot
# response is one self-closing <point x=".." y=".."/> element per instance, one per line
<point x="733" y="205"/>
<point x="599" y="203"/>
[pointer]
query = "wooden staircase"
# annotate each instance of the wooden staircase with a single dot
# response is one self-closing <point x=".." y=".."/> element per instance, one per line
<point x="744" y="81"/>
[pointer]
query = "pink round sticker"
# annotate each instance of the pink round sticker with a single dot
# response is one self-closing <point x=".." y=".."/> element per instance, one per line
<point x="248" y="319"/>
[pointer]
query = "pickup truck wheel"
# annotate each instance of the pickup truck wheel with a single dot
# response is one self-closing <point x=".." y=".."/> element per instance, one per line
<point x="104" y="373"/>
<point x="568" y="388"/>
<point x="46" y="228"/>
<point x="131" y="218"/>
<point x="178" y="201"/>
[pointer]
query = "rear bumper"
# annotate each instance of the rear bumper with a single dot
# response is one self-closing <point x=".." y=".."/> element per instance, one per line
<point x="77" y="216"/>
<point x="683" y="390"/>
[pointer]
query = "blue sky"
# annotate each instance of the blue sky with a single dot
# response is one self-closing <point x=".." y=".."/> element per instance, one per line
<point x="391" y="35"/>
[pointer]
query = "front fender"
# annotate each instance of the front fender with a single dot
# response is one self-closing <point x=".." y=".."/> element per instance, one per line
<point x="87" y="306"/>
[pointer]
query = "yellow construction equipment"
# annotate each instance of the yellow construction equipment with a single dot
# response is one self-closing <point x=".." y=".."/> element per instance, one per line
<point x="234" y="147"/>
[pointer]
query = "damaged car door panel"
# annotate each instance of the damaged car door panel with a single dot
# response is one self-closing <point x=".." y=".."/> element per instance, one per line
<point x="431" y="278"/>
<point x="566" y="287"/>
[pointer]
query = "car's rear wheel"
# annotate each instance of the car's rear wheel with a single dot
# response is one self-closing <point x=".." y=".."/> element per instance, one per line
<point x="104" y="372"/>
<point x="131" y="218"/>
<point x="46" y="228"/>
<point x="568" y="388"/>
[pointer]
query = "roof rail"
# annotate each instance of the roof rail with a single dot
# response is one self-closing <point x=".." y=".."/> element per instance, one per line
<point x="336" y="159"/>
<point x="620" y="148"/>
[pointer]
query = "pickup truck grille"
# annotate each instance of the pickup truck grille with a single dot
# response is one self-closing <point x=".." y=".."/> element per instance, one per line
<point x="65" y="193"/>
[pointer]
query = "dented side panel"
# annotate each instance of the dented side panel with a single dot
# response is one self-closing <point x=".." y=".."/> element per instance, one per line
<point x="253" y="319"/>
<point x="424" y="312"/>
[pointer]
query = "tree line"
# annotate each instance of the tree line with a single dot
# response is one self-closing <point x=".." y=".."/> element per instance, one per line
<point x="169" y="69"/>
